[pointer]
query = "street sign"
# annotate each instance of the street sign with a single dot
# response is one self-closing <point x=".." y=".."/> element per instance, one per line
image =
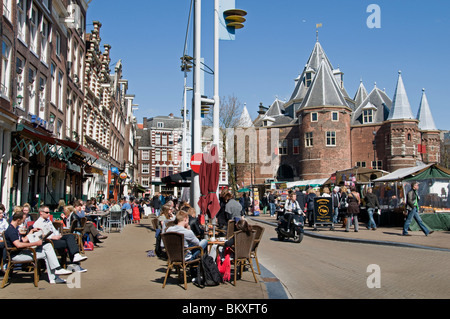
<point x="196" y="161"/>
<point x="323" y="211"/>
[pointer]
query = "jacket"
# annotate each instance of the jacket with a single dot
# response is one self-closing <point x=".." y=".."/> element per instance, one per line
<point x="411" y="199"/>
<point x="371" y="201"/>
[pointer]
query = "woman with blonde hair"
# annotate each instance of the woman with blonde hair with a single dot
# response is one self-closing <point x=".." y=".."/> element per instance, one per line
<point x="343" y="205"/>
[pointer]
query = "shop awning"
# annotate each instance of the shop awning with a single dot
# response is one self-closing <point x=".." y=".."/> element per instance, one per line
<point x="182" y="179"/>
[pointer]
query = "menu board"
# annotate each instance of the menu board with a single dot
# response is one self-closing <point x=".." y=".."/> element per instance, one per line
<point x="323" y="212"/>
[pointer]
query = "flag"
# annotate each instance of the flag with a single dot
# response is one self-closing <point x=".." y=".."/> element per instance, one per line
<point x="318" y="25"/>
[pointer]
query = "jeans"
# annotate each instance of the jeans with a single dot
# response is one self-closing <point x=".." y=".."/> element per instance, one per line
<point x="371" y="223"/>
<point x="335" y="215"/>
<point x="204" y="244"/>
<point x="272" y="209"/>
<point x="349" y="221"/>
<point x="414" y="214"/>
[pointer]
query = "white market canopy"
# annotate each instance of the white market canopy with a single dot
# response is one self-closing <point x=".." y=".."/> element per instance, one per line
<point x="310" y="182"/>
<point x="401" y="173"/>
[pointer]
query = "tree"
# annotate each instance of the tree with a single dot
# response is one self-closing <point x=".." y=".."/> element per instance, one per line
<point x="229" y="115"/>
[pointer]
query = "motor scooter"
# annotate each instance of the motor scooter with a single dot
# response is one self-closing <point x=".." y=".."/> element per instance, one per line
<point x="290" y="225"/>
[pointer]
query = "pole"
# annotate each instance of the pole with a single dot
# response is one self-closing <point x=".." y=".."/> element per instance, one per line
<point x="196" y="124"/>
<point x="216" y="130"/>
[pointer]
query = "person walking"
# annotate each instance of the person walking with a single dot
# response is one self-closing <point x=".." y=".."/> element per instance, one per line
<point x="335" y="198"/>
<point x="372" y="204"/>
<point x="412" y="207"/>
<point x="310" y="206"/>
<point x="272" y="203"/>
<point x="353" y="208"/>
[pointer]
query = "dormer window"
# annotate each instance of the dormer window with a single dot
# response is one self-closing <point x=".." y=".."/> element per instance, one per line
<point x="160" y="125"/>
<point x="367" y="116"/>
<point x="308" y="79"/>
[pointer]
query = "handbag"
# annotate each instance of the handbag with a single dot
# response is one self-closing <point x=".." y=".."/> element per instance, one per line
<point x="88" y="244"/>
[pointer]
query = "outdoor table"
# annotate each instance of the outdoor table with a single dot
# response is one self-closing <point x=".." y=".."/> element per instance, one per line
<point x="100" y="216"/>
<point x="217" y="242"/>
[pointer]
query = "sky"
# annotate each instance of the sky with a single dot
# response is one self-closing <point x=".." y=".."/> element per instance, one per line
<point x="261" y="64"/>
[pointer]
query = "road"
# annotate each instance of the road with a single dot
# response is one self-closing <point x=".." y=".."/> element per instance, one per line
<point x="318" y="268"/>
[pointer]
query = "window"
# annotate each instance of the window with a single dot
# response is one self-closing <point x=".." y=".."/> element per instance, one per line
<point x="145" y="181"/>
<point x="21" y="17"/>
<point x="6" y="68"/>
<point x="54" y="87"/>
<point x="377" y="164"/>
<point x="20" y="78"/>
<point x="57" y="43"/>
<point x="33" y="29"/>
<point x="170" y="155"/>
<point x="314" y="117"/>
<point x="59" y="126"/>
<point x="361" y="164"/>
<point x="331" y="138"/>
<point x="296" y="146"/>
<point x="282" y="147"/>
<point x="160" y="125"/>
<point x="157" y="155"/>
<point x="308" y="79"/>
<point x="157" y="172"/>
<point x="32" y="90"/>
<point x="367" y="116"/>
<point x="309" y="139"/>
<point x="170" y="171"/>
<point x="163" y="172"/>
<point x="145" y="155"/>
<point x="145" y="168"/>
<point x="7" y="9"/>
<point x="42" y="89"/>
<point x="44" y="40"/>
<point x="157" y="139"/>
<point x="163" y="156"/>
<point x="60" y="90"/>
<point x="45" y="3"/>
<point x="335" y="116"/>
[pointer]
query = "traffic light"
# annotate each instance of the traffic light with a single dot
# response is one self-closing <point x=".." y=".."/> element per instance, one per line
<point x="206" y="105"/>
<point x="234" y="18"/>
<point x="186" y="63"/>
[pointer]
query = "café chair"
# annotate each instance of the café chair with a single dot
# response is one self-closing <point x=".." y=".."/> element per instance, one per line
<point x="155" y="223"/>
<point x="254" y="253"/>
<point x="33" y="262"/>
<point x="243" y="244"/>
<point x="174" y="246"/>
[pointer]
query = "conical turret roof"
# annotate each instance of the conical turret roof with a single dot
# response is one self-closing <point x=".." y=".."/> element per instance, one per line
<point x="245" y="120"/>
<point x="360" y="95"/>
<point x="324" y="90"/>
<point x="426" y="121"/>
<point x="401" y="109"/>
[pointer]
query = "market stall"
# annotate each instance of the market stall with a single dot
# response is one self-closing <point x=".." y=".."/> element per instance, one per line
<point x="433" y="191"/>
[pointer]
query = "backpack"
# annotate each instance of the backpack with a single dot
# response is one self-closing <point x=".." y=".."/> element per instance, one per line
<point x="207" y="273"/>
<point x="158" y="250"/>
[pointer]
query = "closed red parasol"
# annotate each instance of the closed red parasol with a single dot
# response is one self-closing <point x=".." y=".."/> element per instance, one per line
<point x="209" y="182"/>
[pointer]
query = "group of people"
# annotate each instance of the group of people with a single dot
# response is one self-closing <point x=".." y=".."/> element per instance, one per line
<point x="346" y="205"/>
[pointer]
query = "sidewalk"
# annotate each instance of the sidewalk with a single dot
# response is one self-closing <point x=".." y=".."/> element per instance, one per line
<point x="381" y="236"/>
<point x="120" y="269"/>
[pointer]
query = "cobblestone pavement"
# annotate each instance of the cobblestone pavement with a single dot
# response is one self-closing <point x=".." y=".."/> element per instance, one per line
<point x="318" y="268"/>
<point x="120" y="269"/>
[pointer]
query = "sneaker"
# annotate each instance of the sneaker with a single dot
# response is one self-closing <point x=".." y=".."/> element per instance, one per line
<point x="62" y="272"/>
<point x="58" y="281"/>
<point x="76" y="268"/>
<point x="78" y="258"/>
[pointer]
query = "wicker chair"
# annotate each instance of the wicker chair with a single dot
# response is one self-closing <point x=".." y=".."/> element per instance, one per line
<point x="254" y="253"/>
<point x="243" y="244"/>
<point x="174" y="246"/>
<point x="77" y="232"/>
<point x="231" y="227"/>
<point x="34" y="262"/>
<point x="155" y="223"/>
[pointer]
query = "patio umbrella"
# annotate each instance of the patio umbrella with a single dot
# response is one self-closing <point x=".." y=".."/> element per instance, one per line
<point x="209" y="181"/>
<point x="244" y="190"/>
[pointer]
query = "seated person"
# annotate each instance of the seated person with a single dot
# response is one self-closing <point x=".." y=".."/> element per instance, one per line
<point x="44" y="250"/>
<point x="243" y="225"/>
<point x="3" y="227"/>
<point x="190" y="240"/>
<point x="89" y="227"/>
<point x="59" y="241"/>
<point x="194" y="222"/>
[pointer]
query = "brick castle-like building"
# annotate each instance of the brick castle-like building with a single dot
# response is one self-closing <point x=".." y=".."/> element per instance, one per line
<point x="321" y="130"/>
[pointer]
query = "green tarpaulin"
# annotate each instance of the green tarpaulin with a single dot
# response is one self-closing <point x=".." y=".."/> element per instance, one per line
<point x="437" y="221"/>
<point x="433" y="172"/>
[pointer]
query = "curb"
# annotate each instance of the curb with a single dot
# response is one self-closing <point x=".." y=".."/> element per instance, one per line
<point x="360" y="241"/>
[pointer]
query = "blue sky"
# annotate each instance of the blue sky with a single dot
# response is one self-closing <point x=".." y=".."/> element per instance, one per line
<point x="275" y="44"/>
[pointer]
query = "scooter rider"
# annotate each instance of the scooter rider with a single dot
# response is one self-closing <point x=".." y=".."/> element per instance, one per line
<point x="292" y="206"/>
